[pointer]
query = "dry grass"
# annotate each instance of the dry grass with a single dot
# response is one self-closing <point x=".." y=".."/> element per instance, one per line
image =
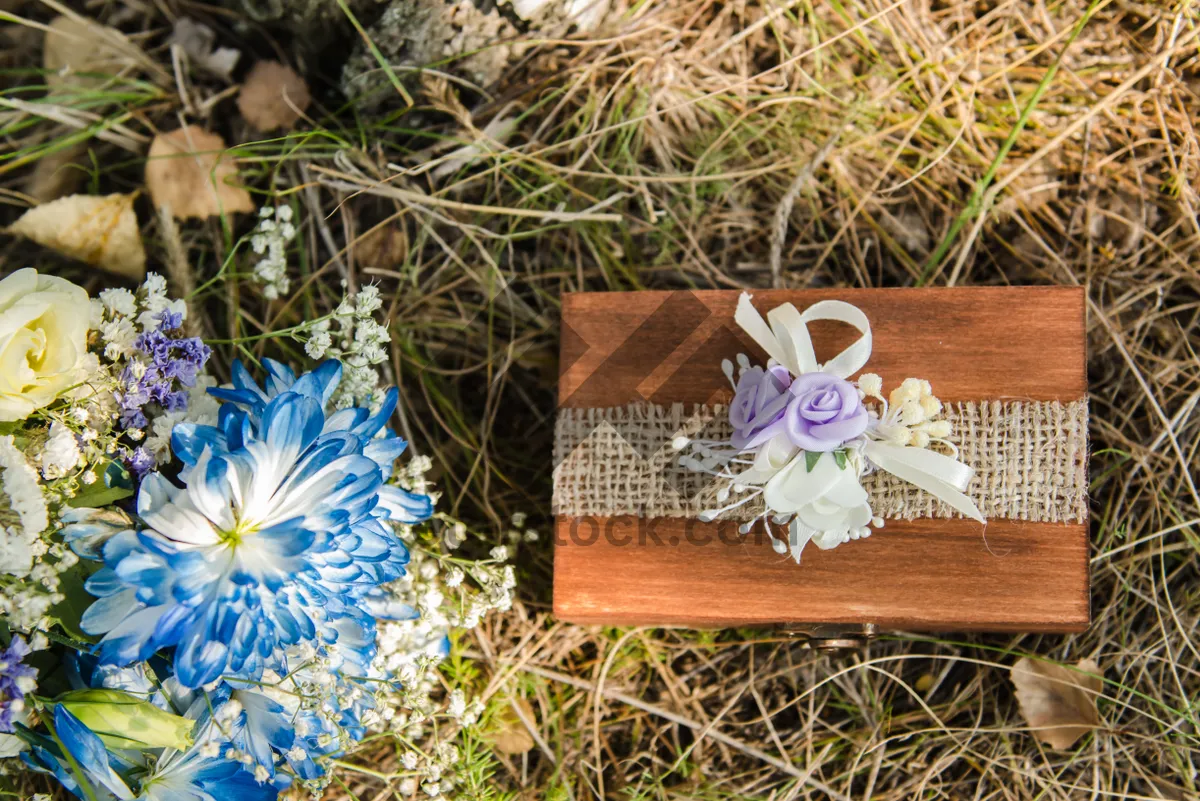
<point x="1012" y="142"/>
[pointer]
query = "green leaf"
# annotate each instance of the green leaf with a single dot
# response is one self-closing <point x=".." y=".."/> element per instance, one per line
<point x="96" y="496"/>
<point x="810" y="460"/>
<point x="840" y="458"/>
<point x="117" y="484"/>
<point x="115" y="475"/>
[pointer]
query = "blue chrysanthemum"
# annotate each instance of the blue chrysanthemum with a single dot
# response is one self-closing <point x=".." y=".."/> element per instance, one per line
<point x="282" y="527"/>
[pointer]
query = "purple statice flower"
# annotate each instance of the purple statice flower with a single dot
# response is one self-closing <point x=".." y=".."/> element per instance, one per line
<point x="158" y="376"/>
<point x="16" y="679"/>
<point x="169" y="320"/>
<point x="141" y="461"/>
<point x="170" y="362"/>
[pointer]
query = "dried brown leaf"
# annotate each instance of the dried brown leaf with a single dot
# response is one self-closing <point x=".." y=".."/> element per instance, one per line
<point x="18" y="43"/>
<point x="384" y="247"/>
<point x="1058" y="702"/>
<point x="273" y="96"/>
<point x="189" y="172"/>
<point x="102" y="231"/>
<point x="57" y="174"/>
<point x="511" y="735"/>
<point x="75" y="46"/>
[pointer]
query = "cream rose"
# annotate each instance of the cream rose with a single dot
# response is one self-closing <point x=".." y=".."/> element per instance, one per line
<point x="43" y="340"/>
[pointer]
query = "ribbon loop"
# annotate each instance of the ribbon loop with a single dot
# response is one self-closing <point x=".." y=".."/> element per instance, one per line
<point x="939" y="475"/>
<point x="787" y="341"/>
<point x="854" y="357"/>
<point x="789" y="329"/>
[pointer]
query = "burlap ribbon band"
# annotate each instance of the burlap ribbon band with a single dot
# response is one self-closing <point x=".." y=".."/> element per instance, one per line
<point x="1029" y="457"/>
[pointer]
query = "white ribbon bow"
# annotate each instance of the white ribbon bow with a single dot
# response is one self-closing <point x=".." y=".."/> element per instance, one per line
<point x="787" y="341"/>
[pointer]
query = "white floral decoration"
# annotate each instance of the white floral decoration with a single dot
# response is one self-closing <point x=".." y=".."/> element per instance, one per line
<point x="270" y="239"/>
<point x="60" y="454"/>
<point x="805" y="435"/>
<point x="353" y="336"/>
<point x="22" y="529"/>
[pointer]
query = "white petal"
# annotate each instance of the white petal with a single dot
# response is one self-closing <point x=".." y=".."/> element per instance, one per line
<point x="795" y="487"/>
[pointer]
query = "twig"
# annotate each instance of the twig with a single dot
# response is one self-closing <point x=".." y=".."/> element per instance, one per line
<point x="419" y="199"/>
<point x="178" y="269"/>
<point x="784" y="210"/>
<point x="119" y="135"/>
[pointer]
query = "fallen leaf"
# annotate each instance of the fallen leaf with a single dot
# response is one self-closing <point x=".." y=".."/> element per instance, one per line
<point x="75" y="47"/>
<point x="197" y="40"/>
<point x="189" y="171"/>
<point x="1058" y="702"/>
<point x="102" y="231"/>
<point x="511" y="735"/>
<point x="384" y="246"/>
<point x="273" y="96"/>
<point x="57" y="174"/>
<point x="19" y="47"/>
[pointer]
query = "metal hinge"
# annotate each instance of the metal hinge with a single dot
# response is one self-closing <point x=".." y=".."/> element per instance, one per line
<point x="831" y="637"/>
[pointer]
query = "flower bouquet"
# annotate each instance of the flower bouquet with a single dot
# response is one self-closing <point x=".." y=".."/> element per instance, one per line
<point x="212" y="591"/>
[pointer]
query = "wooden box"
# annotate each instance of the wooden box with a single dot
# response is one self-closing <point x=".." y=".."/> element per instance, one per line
<point x="989" y="346"/>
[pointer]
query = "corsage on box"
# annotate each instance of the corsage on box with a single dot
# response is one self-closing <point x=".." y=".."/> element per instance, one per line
<point x="714" y="448"/>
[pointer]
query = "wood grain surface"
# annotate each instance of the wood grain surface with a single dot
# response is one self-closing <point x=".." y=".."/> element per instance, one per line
<point x="1020" y="343"/>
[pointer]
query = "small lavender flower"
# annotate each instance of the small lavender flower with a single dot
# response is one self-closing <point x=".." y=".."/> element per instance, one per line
<point x="16" y="679"/>
<point x="141" y="461"/>
<point x="163" y="365"/>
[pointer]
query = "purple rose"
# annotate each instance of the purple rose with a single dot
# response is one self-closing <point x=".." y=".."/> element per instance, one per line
<point x="824" y="412"/>
<point x="758" y="405"/>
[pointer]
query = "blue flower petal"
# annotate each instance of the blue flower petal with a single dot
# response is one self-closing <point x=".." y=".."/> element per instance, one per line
<point x="404" y="506"/>
<point x="88" y="752"/>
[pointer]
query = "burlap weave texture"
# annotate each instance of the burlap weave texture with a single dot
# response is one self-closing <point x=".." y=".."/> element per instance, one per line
<point x="1030" y="461"/>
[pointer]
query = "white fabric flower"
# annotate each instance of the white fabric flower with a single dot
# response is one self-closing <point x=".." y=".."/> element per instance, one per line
<point x="119" y="302"/>
<point x="61" y="452"/>
<point x="829" y="503"/>
<point x="119" y="337"/>
<point x="43" y="340"/>
<point x="772" y="457"/>
<point x="19" y="545"/>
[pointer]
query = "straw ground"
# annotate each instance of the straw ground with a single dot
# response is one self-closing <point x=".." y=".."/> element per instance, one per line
<point x="726" y="145"/>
